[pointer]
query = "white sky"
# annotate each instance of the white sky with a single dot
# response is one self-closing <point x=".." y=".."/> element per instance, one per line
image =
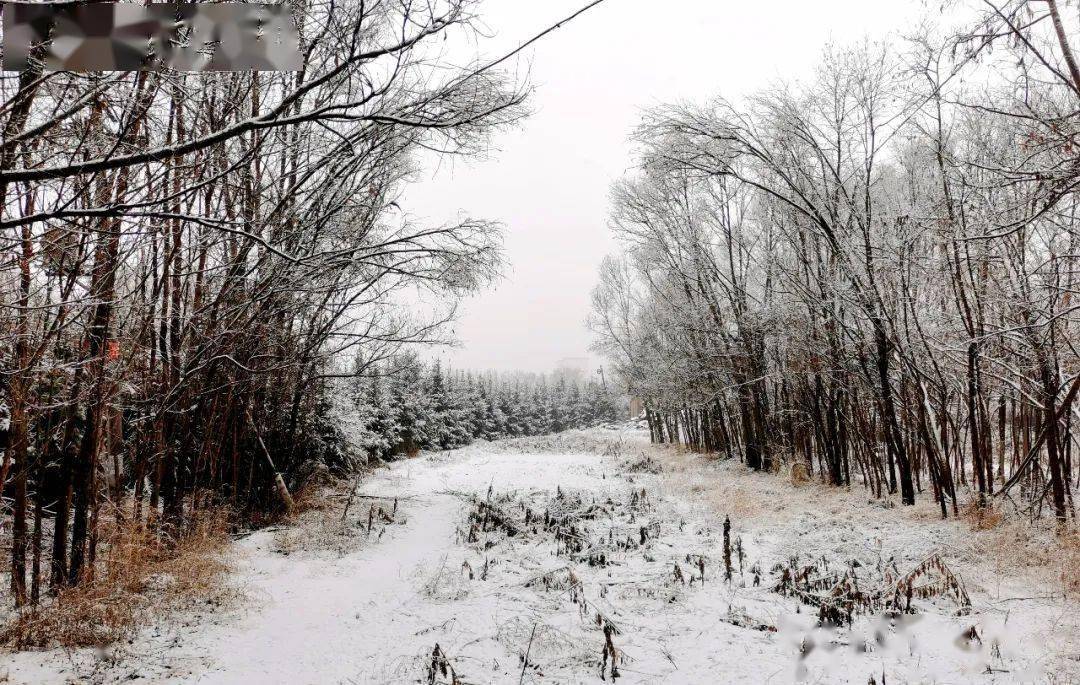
<point x="548" y="182"/>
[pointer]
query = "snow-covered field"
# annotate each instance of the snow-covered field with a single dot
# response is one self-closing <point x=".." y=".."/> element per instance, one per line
<point x="576" y="540"/>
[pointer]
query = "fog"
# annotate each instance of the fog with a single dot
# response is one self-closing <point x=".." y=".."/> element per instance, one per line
<point x="548" y="181"/>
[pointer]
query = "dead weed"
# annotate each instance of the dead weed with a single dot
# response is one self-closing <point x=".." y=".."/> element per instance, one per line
<point x="139" y="573"/>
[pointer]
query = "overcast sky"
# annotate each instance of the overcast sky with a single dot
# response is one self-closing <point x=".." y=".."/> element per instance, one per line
<point x="548" y="182"/>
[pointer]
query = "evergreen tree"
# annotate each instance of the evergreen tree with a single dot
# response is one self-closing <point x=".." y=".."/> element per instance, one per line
<point x="408" y="405"/>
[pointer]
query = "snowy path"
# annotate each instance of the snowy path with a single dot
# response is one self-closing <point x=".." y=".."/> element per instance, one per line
<point x="321" y="618"/>
<point x="374" y="614"/>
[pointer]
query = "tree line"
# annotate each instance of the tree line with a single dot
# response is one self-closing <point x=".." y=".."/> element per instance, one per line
<point x="868" y="273"/>
<point x="186" y="258"/>
<point x="408" y="405"/>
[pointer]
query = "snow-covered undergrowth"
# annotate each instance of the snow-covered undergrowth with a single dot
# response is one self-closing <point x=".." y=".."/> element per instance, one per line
<point x="554" y="559"/>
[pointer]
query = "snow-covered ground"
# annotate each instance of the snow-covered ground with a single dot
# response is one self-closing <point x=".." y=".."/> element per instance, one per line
<point x="597" y="535"/>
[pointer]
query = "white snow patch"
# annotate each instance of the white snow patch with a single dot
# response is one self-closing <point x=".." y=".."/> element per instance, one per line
<point x="374" y="615"/>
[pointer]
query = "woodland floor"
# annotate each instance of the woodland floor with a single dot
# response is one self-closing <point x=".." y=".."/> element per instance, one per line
<point x="326" y="601"/>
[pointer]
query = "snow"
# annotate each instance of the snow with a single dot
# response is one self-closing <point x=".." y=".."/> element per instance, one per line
<point x="374" y="613"/>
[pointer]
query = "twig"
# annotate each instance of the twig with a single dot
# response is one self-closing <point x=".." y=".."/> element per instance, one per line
<point x="546" y="574"/>
<point x="525" y="662"/>
<point x="352" y="494"/>
<point x="386" y="498"/>
<point x="436" y="626"/>
<point x="279" y="482"/>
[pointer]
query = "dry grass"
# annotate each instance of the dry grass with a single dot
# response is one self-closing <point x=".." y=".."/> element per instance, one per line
<point x="1049" y="557"/>
<point x="142" y="575"/>
<point x="139" y="576"/>
<point x="986" y="517"/>
<point x="1069" y="562"/>
<point x="320" y="523"/>
<point x="739" y="503"/>
<point x="989" y="542"/>
<point x="744" y="496"/>
<point x="447" y="583"/>
<point x="800" y="474"/>
<point x="314" y="496"/>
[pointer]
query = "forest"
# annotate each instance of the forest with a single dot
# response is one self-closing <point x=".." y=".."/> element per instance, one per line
<point x="232" y="436"/>
<point x="191" y="260"/>
<point x="870" y="273"/>
<point x="412" y="406"/>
